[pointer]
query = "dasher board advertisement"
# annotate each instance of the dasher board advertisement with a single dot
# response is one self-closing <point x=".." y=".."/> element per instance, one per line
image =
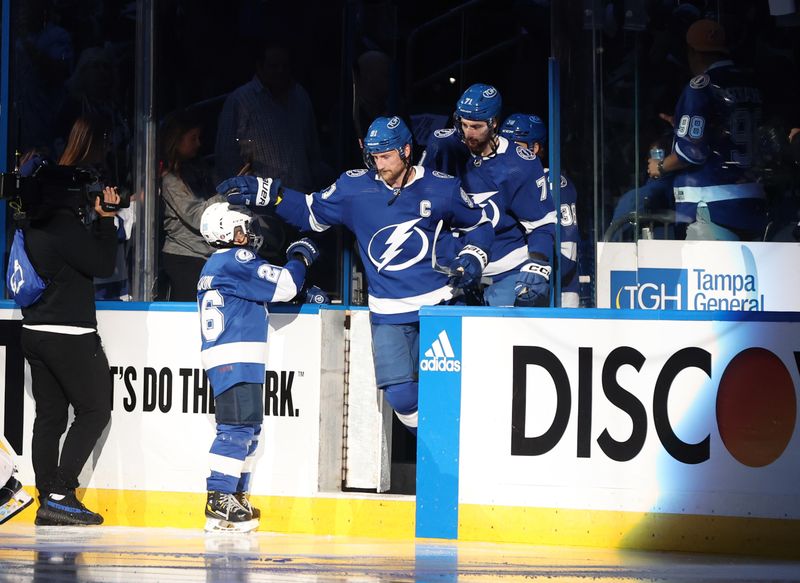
<point x="698" y="275"/>
<point x="667" y="414"/>
<point x="162" y="422"/>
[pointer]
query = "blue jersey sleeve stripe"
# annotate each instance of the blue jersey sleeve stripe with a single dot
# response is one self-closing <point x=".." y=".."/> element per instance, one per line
<point x="548" y="219"/>
<point x="234" y="352"/>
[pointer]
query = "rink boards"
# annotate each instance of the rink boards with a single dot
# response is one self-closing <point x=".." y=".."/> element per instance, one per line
<point x="643" y="429"/>
<point x="659" y="430"/>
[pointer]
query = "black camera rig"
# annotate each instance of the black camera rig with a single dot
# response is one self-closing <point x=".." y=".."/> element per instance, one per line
<point x="51" y="187"/>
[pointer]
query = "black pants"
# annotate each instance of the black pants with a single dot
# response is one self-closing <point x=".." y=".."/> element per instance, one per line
<point x="183" y="272"/>
<point x="66" y="370"/>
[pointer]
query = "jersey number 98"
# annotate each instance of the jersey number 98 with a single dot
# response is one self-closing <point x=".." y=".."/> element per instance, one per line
<point x="691" y="126"/>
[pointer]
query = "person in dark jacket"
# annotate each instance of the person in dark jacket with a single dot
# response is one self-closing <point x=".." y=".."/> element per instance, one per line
<point x="60" y="341"/>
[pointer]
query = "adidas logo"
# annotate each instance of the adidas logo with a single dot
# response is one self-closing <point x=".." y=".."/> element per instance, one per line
<point x="440" y="356"/>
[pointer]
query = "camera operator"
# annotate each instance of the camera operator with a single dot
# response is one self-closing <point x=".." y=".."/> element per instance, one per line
<point x="60" y="341"/>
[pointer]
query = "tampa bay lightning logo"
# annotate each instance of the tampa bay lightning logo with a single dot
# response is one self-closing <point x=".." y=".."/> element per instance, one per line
<point x="444" y="133"/>
<point x="393" y="123"/>
<point x="243" y="255"/>
<point x="484" y="201"/>
<point x="490" y="92"/>
<point x="356" y="173"/>
<point x="525" y="153"/>
<point x="440" y="174"/>
<point x="699" y="82"/>
<point x="398" y="247"/>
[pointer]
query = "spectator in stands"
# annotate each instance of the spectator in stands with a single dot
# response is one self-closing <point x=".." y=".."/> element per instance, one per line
<point x="94" y="89"/>
<point x="716" y="195"/>
<point x="87" y="147"/>
<point x="267" y="126"/>
<point x="185" y="250"/>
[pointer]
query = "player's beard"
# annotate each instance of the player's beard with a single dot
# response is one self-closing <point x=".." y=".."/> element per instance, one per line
<point x="391" y="176"/>
<point x="476" y="146"/>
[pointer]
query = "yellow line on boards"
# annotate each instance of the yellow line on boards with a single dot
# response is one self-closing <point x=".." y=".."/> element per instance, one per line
<point x="630" y="530"/>
<point x="340" y="515"/>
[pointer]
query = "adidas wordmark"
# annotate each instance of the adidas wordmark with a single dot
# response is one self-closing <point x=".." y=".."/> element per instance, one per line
<point x="440" y="356"/>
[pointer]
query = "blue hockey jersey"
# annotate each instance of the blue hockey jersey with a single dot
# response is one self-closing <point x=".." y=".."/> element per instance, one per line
<point x="511" y="187"/>
<point x="396" y="240"/>
<point x="570" y="236"/>
<point x="446" y="153"/>
<point x="234" y="287"/>
<point x="715" y="131"/>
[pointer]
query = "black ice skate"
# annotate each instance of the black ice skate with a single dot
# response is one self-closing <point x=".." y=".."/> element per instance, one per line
<point x="13" y="499"/>
<point x="244" y="500"/>
<point x="63" y="510"/>
<point x="224" y="513"/>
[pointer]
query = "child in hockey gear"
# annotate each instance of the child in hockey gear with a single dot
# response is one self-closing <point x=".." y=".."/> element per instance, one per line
<point x="229" y="512"/>
<point x="232" y="294"/>
<point x="13" y="498"/>
<point x="393" y="208"/>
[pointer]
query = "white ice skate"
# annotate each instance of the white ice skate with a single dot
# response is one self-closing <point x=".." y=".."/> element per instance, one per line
<point x="13" y="498"/>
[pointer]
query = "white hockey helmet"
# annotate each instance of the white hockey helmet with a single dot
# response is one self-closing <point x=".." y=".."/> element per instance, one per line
<point x="220" y="221"/>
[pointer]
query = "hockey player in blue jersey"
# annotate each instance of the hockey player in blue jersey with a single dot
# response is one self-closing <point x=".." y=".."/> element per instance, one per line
<point x="508" y="182"/>
<point x="395" y="210"/>
<point x="531" y="132"/>
<point x="446" y="152"/>
<point x="714" y="148"/>
<point x="234" y="287"/>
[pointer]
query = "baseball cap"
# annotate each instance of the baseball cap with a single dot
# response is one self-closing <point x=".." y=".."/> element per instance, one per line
<point x="706" y="36"/>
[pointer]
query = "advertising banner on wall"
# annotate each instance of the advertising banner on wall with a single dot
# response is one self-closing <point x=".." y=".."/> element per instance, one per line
<point x="664" y="415"/>
<point x="162" y="422"/>
<point x="698" y="275"/>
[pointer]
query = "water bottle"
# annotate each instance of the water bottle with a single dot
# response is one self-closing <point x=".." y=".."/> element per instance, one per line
<point x="657" y="153"/>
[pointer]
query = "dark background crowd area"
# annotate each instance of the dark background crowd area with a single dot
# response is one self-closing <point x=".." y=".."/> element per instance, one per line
<point x="621" y="63"/>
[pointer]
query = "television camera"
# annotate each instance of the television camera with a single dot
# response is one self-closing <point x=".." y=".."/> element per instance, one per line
<point x="50" y="187"/>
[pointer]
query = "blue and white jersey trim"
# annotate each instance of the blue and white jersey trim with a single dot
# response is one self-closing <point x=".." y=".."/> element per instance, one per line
<point x="508" y="262"/>
<point x="569" y="250"/>
<point x="410" y="304"/>
<point x="234" y="352"/>
<point x="312" y="220"/>
<point x="718" y="192"/>
<point x="548" y="219"/>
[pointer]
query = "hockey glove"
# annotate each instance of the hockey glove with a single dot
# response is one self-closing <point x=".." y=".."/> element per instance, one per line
<point x="315" y="295"/>
<point x="251" y="191"/>
<point x="304" y="249"/>
<point x="533" y="284"/>
<point x="466" y="271"/>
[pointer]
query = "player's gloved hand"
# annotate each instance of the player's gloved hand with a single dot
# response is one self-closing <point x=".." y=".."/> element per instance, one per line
<point x="316" y="295"/>
<point x="251" y="191"/>
<point x="533" y="283"/>
<point x="303" y="249"/>
<point x="466" y="271"/>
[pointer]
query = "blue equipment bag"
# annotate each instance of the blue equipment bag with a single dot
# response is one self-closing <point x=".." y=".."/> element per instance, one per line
<point x="24" y="285"/>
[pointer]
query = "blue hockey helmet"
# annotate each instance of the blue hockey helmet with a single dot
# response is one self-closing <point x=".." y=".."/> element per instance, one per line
<point x="480" y="102"/>
<point x="385" y="134"/>
<point x="521" y="127"/>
